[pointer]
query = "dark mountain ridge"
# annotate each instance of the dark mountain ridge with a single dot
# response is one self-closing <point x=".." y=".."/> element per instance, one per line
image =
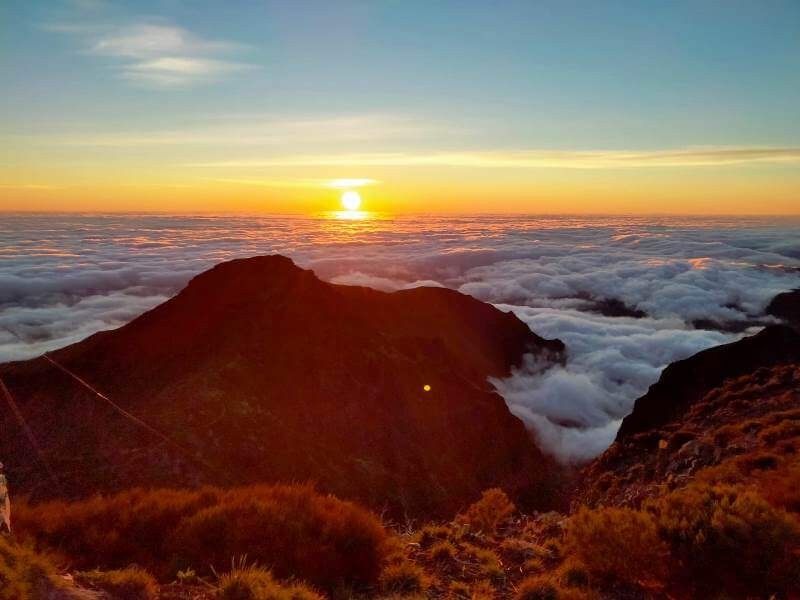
<point x="712" y="407"/>
<point x="263" y="372"/>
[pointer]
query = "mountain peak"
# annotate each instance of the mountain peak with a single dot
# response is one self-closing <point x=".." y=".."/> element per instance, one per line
<point x="267" y="373"/>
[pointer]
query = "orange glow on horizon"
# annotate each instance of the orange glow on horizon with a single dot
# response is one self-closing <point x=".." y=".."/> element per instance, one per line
<point x="408" y="190"/>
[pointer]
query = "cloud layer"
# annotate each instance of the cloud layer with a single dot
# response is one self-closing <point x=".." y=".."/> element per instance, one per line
<point x="65" y="277"/>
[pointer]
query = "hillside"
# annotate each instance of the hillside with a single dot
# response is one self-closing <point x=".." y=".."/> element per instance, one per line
<point x="703" y="411"/>
<point x="260" y="372"/>
<point x="699" y="499"/>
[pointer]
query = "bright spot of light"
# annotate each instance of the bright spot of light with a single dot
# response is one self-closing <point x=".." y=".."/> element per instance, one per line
<point x="426" y="388"/>
<point x="351" y="200"/>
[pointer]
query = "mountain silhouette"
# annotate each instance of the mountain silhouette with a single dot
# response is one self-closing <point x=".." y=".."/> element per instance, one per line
<point x="259" y="371"/>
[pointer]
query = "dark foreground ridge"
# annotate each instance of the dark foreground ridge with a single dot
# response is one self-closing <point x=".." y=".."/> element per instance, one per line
<point x="265" y="373"/>
<point x="684" y="382"/>
<point x="786" y="306"/>
<point x="703" y="506"/>
<point x="718" y="404"/>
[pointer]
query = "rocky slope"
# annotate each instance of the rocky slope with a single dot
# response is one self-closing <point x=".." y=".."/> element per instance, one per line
<point x="259" y="371"/>
<point x="735" y="402"/>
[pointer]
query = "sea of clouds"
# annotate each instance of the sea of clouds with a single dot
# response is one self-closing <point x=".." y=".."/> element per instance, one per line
<point x="678" y="286"/>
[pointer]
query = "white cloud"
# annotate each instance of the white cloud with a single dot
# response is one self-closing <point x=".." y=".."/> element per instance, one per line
<point x="157" y="54"/>
<point x="65" y="277"/>
<point x="179" y="71"/>
<point x="153" y="40"/>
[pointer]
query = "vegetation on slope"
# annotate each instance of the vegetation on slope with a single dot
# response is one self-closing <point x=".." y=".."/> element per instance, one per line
<point x="706" y="539"/>
<point x="705" y="504"/>
<point x="29" y="575"/>
<point x="297" y="532"/>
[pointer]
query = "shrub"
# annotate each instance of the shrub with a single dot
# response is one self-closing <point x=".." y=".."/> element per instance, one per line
<point x="487" y="563"/>
<point x="780" y="431"/>
<point x="443" y="552"/>
<point x="482" y="590"/>
<point x="487" y="514"/>
<point x="254" y="583"/>
<point x="617" y="544"/>
<point x="518" y="550"/>
<point x="460" y="589"/>
<point x="430" y="534"/>
<point x="113" y="532"/>
<point x="26" y="575"/>
<point x="187" y="577"/>
<point x="537" y="588"/>
<point x="759" y="461"/>
<point x="294" y="530"/>
<point x="404" y="578"/>
<point x="574" y="575"/>
<point x="730" y="539"/>
<point x="124" y="584"/>
<point x="534" y="565"/>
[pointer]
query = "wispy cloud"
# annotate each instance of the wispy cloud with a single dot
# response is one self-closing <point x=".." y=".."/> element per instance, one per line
<point x="179" y="71"/>
<point x="343" y="184"/>
<point x="28" y="186"/>
<point x="157" y="54"/>
<point x="150" y="40"/>
<point x="601" y="159"/>
<point x="249" y="130"/>
<point x="339" y="184"/>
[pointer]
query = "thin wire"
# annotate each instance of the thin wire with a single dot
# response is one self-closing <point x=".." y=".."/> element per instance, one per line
<point x="28" y="432"/>
<point x="117" y="407"/>
<point x="129" y="415"/>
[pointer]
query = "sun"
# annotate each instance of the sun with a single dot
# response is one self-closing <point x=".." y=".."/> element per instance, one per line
<point x="351" y="200"/>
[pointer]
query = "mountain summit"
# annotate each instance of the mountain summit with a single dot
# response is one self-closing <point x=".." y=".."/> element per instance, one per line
<point x="260" y="371"/>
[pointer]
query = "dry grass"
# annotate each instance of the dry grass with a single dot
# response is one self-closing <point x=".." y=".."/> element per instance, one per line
<point x="292" y="529"/>
<point x="254" y="583"/>
<point x="29" y="575"/>
<point x="617" y="544"/>
<point x="122" y="584"/>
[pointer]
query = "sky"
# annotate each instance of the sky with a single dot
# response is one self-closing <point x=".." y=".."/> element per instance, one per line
<point x="680" y="107"/>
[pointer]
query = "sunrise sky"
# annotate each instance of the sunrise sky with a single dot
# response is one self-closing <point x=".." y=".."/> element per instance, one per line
<point x="531" y="106"/>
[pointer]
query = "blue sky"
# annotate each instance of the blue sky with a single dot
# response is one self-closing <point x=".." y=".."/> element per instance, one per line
<point x="393" y="76"/>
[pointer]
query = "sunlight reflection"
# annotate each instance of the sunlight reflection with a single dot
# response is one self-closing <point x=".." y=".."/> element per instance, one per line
<point x="352" y="215"/>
